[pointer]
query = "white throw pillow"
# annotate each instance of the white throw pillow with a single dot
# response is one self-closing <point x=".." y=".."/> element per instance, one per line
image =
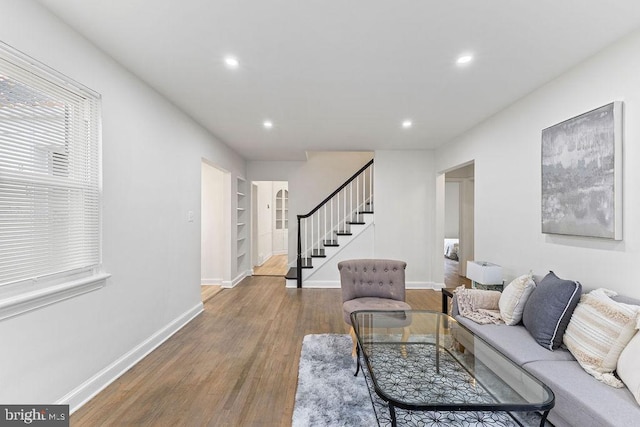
<point x="628" y="366"/>
<point x="598" y="331"/>
<point x="514" y="297"/>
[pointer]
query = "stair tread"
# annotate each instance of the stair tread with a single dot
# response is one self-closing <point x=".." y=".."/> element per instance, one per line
<point x="318" y="253"/>
<point x="292" y="274"/>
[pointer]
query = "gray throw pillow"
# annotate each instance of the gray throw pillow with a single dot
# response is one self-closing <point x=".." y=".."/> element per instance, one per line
<point x="549" y="308"/>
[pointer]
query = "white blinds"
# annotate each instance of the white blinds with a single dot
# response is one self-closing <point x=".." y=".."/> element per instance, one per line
<point x="49" y="172"/>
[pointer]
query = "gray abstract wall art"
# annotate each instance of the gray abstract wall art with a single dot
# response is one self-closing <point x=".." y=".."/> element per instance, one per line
<point x="582" y="175"/>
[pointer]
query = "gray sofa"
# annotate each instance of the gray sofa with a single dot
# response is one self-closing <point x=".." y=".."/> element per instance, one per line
<point x="580" y="399"/>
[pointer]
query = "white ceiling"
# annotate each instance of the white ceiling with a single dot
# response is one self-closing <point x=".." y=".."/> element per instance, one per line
<point x="344" y="74"/>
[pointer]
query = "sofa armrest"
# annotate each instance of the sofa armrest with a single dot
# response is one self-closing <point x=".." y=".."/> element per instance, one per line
<point x="454" y="306"/>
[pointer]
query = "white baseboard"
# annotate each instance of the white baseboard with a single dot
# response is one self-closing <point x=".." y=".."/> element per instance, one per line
<point x="336" y="284"/>
<point x="328" y="284"/>
<point x="291" y="283"/>
<point x="424" y="285"/>
<point x="238" y="279"/>
<point x="94" y="385"/>
<point x="206" y="282"/>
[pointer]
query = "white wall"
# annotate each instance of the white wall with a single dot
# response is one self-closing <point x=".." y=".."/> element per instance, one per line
<point x="506" y="150"/>
<point x="265" y="210"/>
<point x="309" y="182"/>
<point x="452" y="210"/>
<point x="212" y="252"/>
<point x="405" y="222"/>
<point x="151" y="155"/>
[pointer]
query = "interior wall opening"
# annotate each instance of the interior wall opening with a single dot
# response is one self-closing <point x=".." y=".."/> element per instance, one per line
<point x="214" y="246"/>
<point x="270" y="227"/>
<point x="458" y="245"/>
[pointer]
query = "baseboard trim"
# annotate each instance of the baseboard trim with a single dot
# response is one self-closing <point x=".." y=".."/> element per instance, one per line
<point x="291" y="284"/>
<point x="332" y="284"/>
<point x="238" y="279"/>
<point x="326" y="284"/>
<point x="206" y="282"/>
<point x="424" y="285"/>
<point x="94" y="385"/>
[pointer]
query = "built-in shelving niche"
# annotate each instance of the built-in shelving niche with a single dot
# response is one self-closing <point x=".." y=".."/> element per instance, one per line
<point x="242" y="224"/>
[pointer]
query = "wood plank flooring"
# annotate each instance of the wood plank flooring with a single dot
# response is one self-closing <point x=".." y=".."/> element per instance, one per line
<point x="207" y="291"/>
<point x="451" y="277"/>
<point x="276" y="265"/>
<point x="236" y="364"/>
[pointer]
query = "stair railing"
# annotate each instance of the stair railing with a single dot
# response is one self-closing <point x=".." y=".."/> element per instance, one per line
<point x="333" y="216"/>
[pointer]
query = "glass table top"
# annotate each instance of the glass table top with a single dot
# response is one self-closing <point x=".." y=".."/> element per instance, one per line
<point x="426" y="360"/>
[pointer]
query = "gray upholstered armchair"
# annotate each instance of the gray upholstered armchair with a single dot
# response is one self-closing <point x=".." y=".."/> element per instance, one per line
<point x="371" y="284"/>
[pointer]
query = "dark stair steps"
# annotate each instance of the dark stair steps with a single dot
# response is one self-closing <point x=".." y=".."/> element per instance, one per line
<point x="343" y="233"/>
<point x="331" y="243"/>
<point x="364" y="212"/>
<point x="292" y="274"/>
<point x="356" y="222"/>
<point x="306" y="263"/>
<point x="318" y="253"/>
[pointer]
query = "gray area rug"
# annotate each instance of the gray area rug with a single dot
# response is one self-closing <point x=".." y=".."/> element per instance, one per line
<point x="329" y="395"/>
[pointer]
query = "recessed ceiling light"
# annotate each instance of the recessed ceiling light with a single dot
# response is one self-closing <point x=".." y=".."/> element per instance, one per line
<point x="407" y="124"/>
<point x="464" y="59"/>
<point x="231" y="62"/>
<point x="268" y="124"/>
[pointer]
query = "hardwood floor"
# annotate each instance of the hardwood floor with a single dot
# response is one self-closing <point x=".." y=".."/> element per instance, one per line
<point x="451" y="277"/>
<point x="274" y="266"/>
<point x="236" y="364"/>
<point x="208" y="291"/>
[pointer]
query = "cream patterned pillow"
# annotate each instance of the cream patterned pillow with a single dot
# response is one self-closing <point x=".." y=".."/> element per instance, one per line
<point x="598" y="331"/>
<point x="628" y="366"/>
<point x="513" y="298"/>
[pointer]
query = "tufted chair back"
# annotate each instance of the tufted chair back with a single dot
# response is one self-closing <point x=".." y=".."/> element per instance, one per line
<point x="381" y="278"/>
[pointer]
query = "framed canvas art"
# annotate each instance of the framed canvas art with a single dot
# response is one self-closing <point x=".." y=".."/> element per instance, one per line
<point x="582" y="175"/>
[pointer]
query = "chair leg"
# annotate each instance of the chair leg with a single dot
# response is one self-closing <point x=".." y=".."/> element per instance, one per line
<point x="352" y="332"/>
<point x="406" y="332"/>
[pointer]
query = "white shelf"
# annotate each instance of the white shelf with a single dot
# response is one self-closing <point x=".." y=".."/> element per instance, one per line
<point x="241" y="221"/>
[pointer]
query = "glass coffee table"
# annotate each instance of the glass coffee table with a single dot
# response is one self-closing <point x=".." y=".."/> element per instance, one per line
<point x="416" y="362"/>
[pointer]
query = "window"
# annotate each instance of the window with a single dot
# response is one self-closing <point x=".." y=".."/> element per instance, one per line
<point x="49" y="185"/>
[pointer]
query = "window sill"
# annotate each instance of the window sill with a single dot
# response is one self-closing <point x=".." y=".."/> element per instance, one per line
<point x="33" y="300"/>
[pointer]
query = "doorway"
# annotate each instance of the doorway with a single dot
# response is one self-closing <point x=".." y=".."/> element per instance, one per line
<point x="458" y="224"/>
<point x="270" y="227"/>
<point x="214" y="239"/>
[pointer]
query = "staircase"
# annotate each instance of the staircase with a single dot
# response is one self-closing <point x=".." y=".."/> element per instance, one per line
<point x="333" y="224"/>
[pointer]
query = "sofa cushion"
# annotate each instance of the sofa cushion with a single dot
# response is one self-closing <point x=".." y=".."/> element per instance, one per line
<point x="598" y="331"/>
<point x="628" y="369"/>
<point x="581" y="399"/>
<point x="549" y="308"/>
<point x="515" y="342"/>
<point x="371" y="303"/>
<point x="514" y="297"/>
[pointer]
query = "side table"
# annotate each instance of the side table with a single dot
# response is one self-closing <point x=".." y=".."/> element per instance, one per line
<point x="446" y="294"/>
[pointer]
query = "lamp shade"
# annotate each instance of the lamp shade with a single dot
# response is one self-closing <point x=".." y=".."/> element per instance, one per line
<point x="484" y="272"/>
